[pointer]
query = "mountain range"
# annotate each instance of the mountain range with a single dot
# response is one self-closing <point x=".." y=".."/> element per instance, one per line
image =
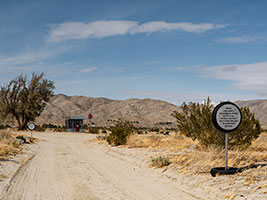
<point x="142" y="112"/>
<point x="105" y="112"/>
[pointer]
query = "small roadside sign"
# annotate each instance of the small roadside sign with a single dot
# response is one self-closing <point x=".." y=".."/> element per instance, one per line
<point x="31" y="126"/>
<point x="226" y="117"/>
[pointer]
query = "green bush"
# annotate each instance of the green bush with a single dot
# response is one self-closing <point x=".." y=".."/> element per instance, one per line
<point x="195" y="121"/>
<point x="120" y="133"/>
<point x="2" y="126"/>
<point x="39" y="128"/>
<point x="154" y="130"/>
<point x="94" y="130"/>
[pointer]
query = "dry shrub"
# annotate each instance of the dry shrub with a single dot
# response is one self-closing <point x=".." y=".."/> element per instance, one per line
<point x="160" y="161"/>
<point x="173" y="142"/>
<point x="8" y="145"/>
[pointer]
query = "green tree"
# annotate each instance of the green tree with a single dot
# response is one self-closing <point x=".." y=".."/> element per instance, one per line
<point x="195" y="121"/>
<point x="25" y="100"/>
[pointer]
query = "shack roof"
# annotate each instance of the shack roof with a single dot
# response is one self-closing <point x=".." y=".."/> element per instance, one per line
<point x="76" y="118"/>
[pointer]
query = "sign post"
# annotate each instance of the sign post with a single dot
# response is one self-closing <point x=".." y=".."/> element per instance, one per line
<point x="31" y="126"/>
<point x="226" y="117"/>
<point x="226" y="151"/>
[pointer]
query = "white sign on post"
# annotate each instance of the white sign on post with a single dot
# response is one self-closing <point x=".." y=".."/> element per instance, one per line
<point x="31" y="126"/>
<point x="226" y="117"/>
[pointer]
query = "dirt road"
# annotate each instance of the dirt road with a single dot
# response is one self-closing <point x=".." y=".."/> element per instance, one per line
<point x="66" y="166"/>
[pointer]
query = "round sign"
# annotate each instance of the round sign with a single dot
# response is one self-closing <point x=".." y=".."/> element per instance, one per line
<point x="90" y="116"/>
<point x="226" y="117"/>
<point x="31" y="126"/>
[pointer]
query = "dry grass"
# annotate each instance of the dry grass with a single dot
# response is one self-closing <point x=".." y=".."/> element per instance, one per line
<point x="8" y="145"/>
<point x="190" y="156"/>
<point x="157" y="141"/>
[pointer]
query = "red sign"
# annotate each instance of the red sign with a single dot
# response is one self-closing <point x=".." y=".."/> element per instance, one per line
<point x="90" y="116"/>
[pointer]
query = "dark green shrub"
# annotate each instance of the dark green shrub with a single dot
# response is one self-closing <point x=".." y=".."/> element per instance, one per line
<point x="154" y="130"/>
<point x="103" y="131"/>
<point x="93" y="130"/>
<point x="59" y="129"/>
<point x="195" y="121"/>
<point x="39" y="128"/>
<point x="120" y="133"/>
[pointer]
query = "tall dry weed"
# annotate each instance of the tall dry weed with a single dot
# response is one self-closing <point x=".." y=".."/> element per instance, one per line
<point x="8" y="145"/>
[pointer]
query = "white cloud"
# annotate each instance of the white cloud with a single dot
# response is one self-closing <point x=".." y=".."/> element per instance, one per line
<point x="31" y="56"/>
<point x="100" y="29"/>
<point x="97" y="29"/>
<point x="156" y="26"/>
<point x="88" y="69"/>
<point x="250" y="77"/>
<point x="242" y="39"/>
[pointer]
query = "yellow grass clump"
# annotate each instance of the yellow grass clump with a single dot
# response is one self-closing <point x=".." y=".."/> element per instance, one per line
<point x="8" y="145"/>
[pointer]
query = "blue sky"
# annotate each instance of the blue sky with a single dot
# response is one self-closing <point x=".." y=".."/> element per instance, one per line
<point x="183" y="50"/>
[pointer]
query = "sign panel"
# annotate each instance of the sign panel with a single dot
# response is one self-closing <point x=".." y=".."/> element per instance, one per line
<point x="90" y="116"/>
<point x="226" y="117"/>
<point x="31" y="126"/>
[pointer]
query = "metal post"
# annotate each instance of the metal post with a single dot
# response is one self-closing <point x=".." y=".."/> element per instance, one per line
<point x="31" y="134"/>
<point x="226" y="151"/>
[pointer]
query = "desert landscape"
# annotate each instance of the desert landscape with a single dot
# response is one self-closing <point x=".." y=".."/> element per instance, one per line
<point x="61" y="165"/>
<point x="133" y="100"/>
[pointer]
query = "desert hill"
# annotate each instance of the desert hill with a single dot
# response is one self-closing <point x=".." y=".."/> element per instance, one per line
<point x="143" y="112"/>
<point x="259" y="107"/>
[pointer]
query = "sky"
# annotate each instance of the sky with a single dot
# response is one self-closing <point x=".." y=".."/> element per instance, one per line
<point x="173" y="50"/>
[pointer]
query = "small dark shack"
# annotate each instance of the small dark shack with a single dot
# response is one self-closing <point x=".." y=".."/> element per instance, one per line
<point x="74" y="124"/>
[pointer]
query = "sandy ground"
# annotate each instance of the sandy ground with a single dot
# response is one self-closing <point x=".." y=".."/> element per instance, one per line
<point x="67" y="166"/>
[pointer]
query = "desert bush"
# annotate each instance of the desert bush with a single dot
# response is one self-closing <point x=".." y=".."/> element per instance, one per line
<point x="49" y="126"/>
<point x="39" y="128"/>
<point x="195" y="121"/>
<point x="101" y="138"/>
<point x="120" y="133"/>
<point x="139" y="132"/>
<point x="4" y="126"/>
<point x="8" y="145"/>
<point x="103" y="131"/>
<point x="160" y="161"/>
<point x="154" y="130"/>
<point x="94" y="130"/>
<point x="5" y="136"/>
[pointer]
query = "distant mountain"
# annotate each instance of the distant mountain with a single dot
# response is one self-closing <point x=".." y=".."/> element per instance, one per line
<point x="143" y="112"/>
<point x="259" y="107"/>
